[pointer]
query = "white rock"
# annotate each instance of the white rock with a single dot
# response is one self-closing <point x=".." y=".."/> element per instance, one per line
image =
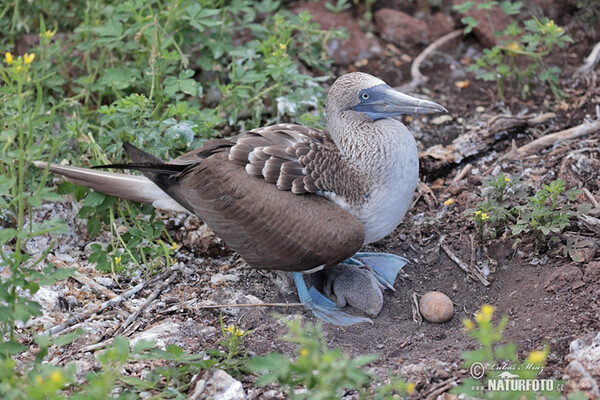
<point x="583" y="371"/>
<point x="216" y="385"/>
<point x="47" y="297"/>
<point x="219" y="278"/>
<point x="158" y="334"/>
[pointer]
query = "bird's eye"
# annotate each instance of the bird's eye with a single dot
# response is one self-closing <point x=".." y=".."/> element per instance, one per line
<point x="365" y="96"/>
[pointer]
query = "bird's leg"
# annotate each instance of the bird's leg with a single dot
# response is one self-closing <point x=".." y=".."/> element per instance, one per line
<point x="385" y="266"/>
<point x="322" y="307"/>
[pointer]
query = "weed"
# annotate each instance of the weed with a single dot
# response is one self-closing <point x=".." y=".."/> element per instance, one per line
<point x="520" y="55"/>
<point x="547" y="213"/>
<point x="495" y="368"/>
<point x="320" y="372"/>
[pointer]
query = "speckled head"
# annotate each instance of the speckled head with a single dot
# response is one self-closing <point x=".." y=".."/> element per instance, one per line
<point x="364" y="93"/>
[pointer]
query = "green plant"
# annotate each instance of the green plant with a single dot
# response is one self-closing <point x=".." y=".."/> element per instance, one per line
<point x="320" y="372"/>
<point x="492" y="358"/>
<point x="26" y="120"/>
<point x="547" y="213"/>
<point x="338" y="6"/>
<point x="519" y="56"/>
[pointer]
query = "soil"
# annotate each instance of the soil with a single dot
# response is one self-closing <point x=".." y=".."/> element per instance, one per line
<point x="543" y="293"/>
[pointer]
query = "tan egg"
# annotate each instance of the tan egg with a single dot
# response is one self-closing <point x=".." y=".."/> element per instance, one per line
<point x="436" y="307"/>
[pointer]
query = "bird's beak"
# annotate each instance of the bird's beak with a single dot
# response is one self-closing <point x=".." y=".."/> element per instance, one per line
<point x="383" y="102"/>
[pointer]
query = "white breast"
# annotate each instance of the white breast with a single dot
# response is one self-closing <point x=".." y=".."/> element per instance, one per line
<point x="394" y="167"/>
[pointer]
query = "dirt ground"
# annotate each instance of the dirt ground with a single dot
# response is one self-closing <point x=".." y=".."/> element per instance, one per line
<point x="548" y="299"/>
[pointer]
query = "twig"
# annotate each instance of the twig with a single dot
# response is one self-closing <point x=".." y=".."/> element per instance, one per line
<point x="84" y="280"/>
<point x="251" y="305"/>
<point x="591" y="197"/>
<point x="109" y="303"/>
<point x="415" y="73"/>
<point x="151" y="298"/>
<point x="470" y="271"/>
<point x="464" y="172"/>
<point x="440" y="388"/>
<point x="546" y="141"/>
<point x="416" y="313"/>
<point x="591" y="60"/>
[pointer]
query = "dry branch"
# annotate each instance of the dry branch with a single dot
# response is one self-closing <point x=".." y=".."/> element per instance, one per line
<point x="84" y="280"/>
<point x="472" y="272"/>
<point x="476" y="141"/>
<point x="112" y="302"/>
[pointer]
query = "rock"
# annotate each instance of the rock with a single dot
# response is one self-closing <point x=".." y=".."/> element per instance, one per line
<point x="565" y="277"/>
<point x="436" y="307"/>
<point x="400" y="28"/>
<point x="583" y="371"/>
<point x="484" y="31"/>
<point x="47" y="297"/>
<point x="592" y="272"/>
<point x="159" y="334"/>
<point x="220" y="278"/>
<point x="438" y="25"/>
<point x="356" y="47"/>
<point x="216" y="385"/>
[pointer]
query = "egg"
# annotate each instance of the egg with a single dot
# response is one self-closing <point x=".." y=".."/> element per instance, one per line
<point x="436" y="307"/>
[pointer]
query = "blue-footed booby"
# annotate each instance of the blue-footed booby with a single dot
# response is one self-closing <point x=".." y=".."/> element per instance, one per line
<point x="292" y="198"/>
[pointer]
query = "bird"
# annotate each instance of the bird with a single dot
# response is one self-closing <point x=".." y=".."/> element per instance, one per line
<point x="295" y="198"/>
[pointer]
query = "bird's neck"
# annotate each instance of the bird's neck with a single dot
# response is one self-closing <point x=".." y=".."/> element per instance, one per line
<point x="377" y="147"/>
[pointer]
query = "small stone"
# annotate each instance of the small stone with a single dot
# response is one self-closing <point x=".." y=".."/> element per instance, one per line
<point x="480" y="109"/>
<point x="436" y="307"/>
<point x="442" y="119"/>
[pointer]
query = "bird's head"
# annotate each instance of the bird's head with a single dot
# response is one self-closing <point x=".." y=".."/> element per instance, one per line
<point x="364" y="93"/>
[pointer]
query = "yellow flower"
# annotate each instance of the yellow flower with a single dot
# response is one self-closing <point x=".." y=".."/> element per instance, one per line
<point x="484" y="216"/>
<point x="506" y="179"/>
<point x="19" y="69"/>
<point x="485" y="314"/>
<point x="513" y="47"/>
<point x="410" y="388"/>
<point x="28" y="58"/>
<point x="477" y="212"/>
<point x="39" y="379"/>
<point x="48" y="34"/>
<point x="8" y="58"/>
<point x="304" y="352"/>
<point x="448" y="202"/>
<point x="468" y="324"/>
<point x="550" y="24"/>
<point x="559" y="29"/>
<point x="537" y="357"/>
<point x="118" y="260"/>
<point x="56" y="376"/>
<point x="173" y="246"/>
<point x="282" y="46"/>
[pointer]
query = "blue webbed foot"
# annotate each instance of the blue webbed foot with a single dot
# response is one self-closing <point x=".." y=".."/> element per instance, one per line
<point x="322" y="307"/>
<point x="385" y="266"/>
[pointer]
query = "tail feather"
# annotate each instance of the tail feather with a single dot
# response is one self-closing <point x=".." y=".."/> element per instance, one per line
<point x="130" y="187"/>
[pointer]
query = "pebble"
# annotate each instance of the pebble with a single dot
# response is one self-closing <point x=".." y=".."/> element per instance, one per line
<point x="436" y="307"/>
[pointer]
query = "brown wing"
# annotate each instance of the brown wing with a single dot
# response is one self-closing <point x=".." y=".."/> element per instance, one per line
<point x="299" y="159"/>
<point x="270" y="228"/>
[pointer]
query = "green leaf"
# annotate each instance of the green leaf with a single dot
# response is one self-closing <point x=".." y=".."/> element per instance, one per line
<point x="11" y="348"/>
<point x="464" y="7"/>
<point x="7" y="235"/>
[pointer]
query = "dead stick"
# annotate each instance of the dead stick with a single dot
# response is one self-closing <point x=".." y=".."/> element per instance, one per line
<point x="154" y="295"/>
<point x="471" y="272"/>
<point x="109" y="303"/>
<point x="84" y="280"/>
<point x="592" y="198"/>
<point x="462" y="173"/>
<point x="441" y="388"/>
<point x="591" y="60"/>
<point x="415" y="68"/>
<point x="251" y="305"/>
<point x="568" y="134"/>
